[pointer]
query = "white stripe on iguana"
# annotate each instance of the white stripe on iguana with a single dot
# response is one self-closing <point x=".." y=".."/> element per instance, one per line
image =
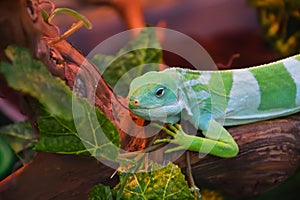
<point x="203" y="78"/>
<point x="293" y="67"/>
<point x="244" y="97"/>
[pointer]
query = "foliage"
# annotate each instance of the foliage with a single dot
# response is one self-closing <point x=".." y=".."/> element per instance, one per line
<point x="19" y="135"/>
<point x="31" y="77"/>
<point x="158" y="183"/>
<point x="17" y="142"/>
<point x="143" y="52"/>
<point x="280" y="20"/>
<point x="208" y="194"/>
<point x="6" y="158"/>
<point x="58" y="132"/>
<point x="71" y="12"/>
<point x="101" y="192"/>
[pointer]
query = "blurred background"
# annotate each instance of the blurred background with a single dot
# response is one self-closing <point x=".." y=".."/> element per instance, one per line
<point x="223" y="27"/>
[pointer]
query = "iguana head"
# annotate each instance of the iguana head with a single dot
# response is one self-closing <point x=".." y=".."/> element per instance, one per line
<point x="153" y="96"/>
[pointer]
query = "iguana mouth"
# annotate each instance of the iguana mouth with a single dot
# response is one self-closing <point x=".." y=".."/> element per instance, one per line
<point x="134" y="107"/>
<point x="156" y="111"/>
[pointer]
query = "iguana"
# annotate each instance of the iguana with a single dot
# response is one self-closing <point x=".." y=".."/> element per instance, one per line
<point x="213" y="99"/>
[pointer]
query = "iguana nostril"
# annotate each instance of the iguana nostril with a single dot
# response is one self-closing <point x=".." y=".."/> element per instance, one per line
<point x="136" y="102"/>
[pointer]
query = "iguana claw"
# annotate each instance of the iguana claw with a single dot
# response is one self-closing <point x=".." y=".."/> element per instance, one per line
<point x="179" y="137"/>
<point x="162" y="141"/>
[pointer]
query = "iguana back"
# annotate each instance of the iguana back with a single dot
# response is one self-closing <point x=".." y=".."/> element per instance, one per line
<point x="243" y="96"/>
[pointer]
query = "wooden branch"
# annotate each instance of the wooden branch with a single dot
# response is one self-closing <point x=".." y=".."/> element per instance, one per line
<point x="269" y="151"/>
<point x="269" y="154"/>
<point x="52" y="176"/>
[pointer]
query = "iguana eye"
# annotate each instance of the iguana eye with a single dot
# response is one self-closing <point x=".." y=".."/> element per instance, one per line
<point x="160" y="92"/>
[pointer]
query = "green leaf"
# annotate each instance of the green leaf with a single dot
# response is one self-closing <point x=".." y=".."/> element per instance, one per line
<point x="73" y="13"/>
<point x="101" y="192"/>
<point x="89" y="132"/>
<point x="31" y="76"/>
<point x="159" y="183"/>
<point x="7" y="158"/>
<point x="143" y="51"/>
<point x="19" y="135"/>
<point x="59" y="136"/>
<point x="280" y="21"/>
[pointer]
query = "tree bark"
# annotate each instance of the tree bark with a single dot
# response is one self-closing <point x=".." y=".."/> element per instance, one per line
<point x="269" y="154"/>
<point x="269" y="150"/>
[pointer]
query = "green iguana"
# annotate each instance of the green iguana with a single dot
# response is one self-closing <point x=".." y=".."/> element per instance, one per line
<point x="213" y="99"/>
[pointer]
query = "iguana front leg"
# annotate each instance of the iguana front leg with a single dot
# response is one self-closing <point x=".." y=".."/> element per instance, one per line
<point x="218" y="141"/>
<point x="179" y="137"/>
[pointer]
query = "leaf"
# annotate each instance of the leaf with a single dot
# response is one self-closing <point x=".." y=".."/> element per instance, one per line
<point x="31" y="76"/>
<point x="19" y="135"/>
<point x="7" y="159"/>
<point x="280" y="21"/>
<point x="73" y="13"/>
<point x="90" y="131"/>
<point x="101" y="192"/>
<point x="211" y="194"/>
<point x="143" y="53"/>
<point x="160" y="183"/>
